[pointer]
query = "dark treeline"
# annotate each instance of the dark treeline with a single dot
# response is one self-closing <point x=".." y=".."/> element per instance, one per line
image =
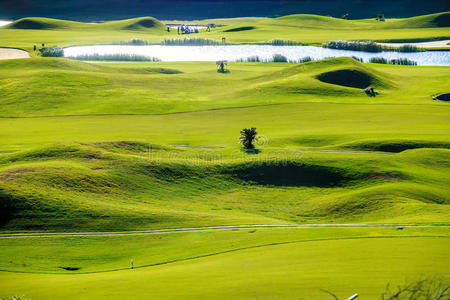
<point x="88" y="10"/>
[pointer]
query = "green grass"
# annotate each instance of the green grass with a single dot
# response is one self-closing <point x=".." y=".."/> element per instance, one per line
<point x="52" y="87"/>
<point x="297" y="107"/>
<point x="148" y="145"/>
<point x="288" y="271"/>
<point x="84" y="187"/>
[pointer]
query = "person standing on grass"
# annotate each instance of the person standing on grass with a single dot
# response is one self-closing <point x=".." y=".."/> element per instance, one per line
<point x="132" y="263"/>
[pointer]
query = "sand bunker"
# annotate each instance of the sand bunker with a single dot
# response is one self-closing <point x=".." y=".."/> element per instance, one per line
<point x="9" y="53"/>
<point x="427" y="45"/>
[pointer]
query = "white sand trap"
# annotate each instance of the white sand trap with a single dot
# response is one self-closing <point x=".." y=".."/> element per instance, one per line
<point x="5" y="22"/>
<point x="9" y="53"/>
<point x="428" y="45"/>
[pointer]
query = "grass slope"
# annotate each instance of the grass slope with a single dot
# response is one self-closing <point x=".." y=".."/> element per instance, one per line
<point x="51" y="87"/>
<point x="142" y="23"/>
<point x="89" y="187"/>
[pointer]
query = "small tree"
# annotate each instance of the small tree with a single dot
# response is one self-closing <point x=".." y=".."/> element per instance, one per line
<point x="248" y="136"/>
<point x="221" y="64"/>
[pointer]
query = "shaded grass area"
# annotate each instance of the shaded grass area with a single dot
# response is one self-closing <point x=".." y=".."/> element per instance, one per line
<point x="261" y="272"/>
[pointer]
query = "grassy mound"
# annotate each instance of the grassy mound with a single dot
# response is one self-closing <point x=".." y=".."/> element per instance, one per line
<point x="143" y="23"/>
<point x="309" y="21"/>
<point x="40" y="23"/>
<point x="425" y="21"/>
<point x="348" y="77"/>
<point x="395" y="145"/>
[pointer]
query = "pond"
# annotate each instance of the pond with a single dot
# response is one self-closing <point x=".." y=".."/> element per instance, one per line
<point x="264" y="52"/>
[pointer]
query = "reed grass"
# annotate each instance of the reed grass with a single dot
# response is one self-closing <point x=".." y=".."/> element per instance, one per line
<point x="367" y="46"/>
<point x="396" y="61"/>
<point x="409" y="48"/>
<point x="197" y="41"/>
<point x="275" y="58"/>
<point x="282" y="42"/>
<point x="135" y="42"/>
<point x="116" y="57"/>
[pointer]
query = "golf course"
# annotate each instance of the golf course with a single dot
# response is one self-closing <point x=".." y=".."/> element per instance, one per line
<point x="135" y="179"/>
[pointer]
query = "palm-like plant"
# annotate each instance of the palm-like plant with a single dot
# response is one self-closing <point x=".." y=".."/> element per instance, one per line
<point x="248" y="136"/>
<point x="221" y="64"/>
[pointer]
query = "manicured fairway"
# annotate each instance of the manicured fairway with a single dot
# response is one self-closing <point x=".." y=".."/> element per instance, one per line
<point x="290" y="271"/>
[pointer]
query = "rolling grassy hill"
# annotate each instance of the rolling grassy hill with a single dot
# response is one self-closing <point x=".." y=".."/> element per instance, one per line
<point x="304" y="28"/>
<point x="318" y="29"/>
<point x="77" y="88"/>
<point x="142" y="23"/>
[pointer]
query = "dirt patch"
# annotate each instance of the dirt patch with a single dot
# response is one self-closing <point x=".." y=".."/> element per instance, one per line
<point x="14" y="174"/>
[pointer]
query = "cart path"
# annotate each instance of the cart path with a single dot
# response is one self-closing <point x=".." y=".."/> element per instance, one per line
<point x="214" y="228"/>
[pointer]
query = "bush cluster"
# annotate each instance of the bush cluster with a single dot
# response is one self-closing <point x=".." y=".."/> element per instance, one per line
<point x="135" y="42"/>
<point x="367" y="46"/>
<point x="52" y="52"/>
<point x="116" y="57"/>
<point x="190" y="42"/>
<point x="275" y="58"/>
<point x="281" y="42"/>
<point x="396" y="61"/>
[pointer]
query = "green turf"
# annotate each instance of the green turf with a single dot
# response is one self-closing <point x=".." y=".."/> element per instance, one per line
<point x="287" y="271"/>
<point x="91" y="254"/>
<point x="51" y="87"/>
<point x="121" y="146"/>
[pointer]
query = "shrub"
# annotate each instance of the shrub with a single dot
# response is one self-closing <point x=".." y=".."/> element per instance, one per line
<point x="52" y="52"/>
<point x="358" y="58"/>
<point x="135" y="42"/>
<point x="396" y="61"/>
<point x="368" y="46"/>
<point x="250" y="59"/>
<point x="275" y="58"/>
<point x="378" y="60"/>
<point x="403" y="61"/>
<point x="116" y="57"/>
<point x="281" y="42"/>
<point x="409" y="48"/>
<point x="190" y="42"/>
<point x="305" y="59"/>
<point x="279" y="58"/>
